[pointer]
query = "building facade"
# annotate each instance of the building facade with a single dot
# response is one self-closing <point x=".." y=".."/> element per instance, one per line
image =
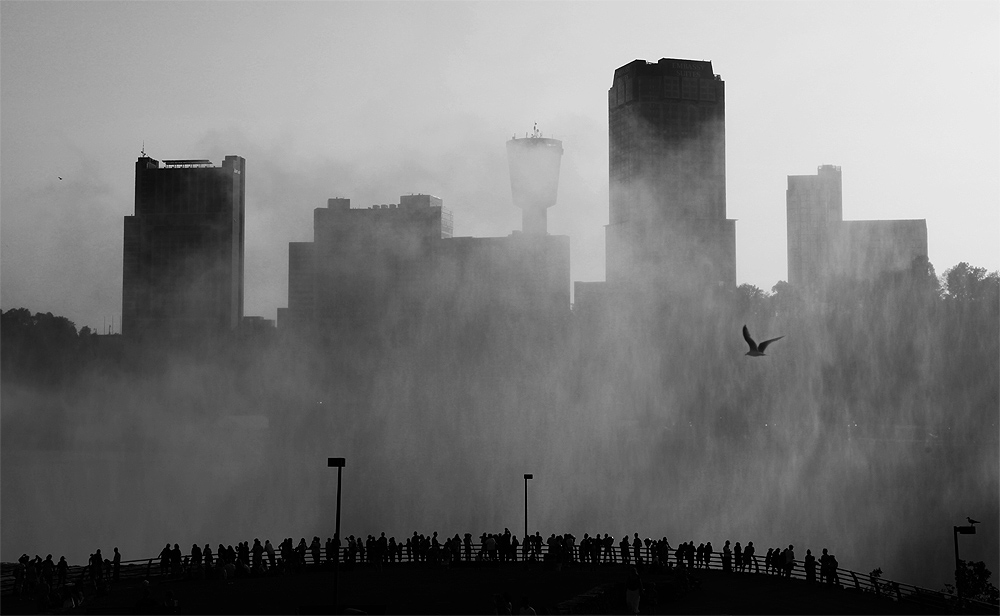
<point x="365" y="265"/>
<point x="824" y="248"/>
<point x="668" y="230"/>
<point x="396" y="268"/>
<point x="183" y="248"/>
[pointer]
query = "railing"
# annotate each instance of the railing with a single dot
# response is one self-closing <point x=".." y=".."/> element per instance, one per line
<point x="151" y="568"/>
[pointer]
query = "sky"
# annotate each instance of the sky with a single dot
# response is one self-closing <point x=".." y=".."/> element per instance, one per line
<point x="373" y="100"/>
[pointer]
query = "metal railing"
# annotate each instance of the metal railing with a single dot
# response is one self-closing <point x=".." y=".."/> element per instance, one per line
<point x="151" y="568"/>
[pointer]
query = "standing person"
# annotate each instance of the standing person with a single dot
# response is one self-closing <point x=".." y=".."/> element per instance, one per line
<point x="175" y="559"/>
<point x="789" y="561"/>
<point x="737" y="557"/>
<point x="195" y="559"/>
<point x="637" y="551"/>
<point x="314" y="549"/>
<point x="97" y="569"/>
<point x="258" y="554"/>
<point x="48" y="570"/>
<point x="165" y="559"/>
<point x="749" y="558"/>
<point x="62" y="570"/>
<point x="270" y="552"/>
<point x="206" y="553"/>
<point x="633" y="590"/>
<point x="727" y="558"/>
<point x="708" y="554"/>
<point x="623" y="547"/>
<point x="117" y="564"/>
<point x="810" y="566"/>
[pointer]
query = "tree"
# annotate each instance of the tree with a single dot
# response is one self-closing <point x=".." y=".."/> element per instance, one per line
<point x="974" y="582"/>
<point x="750" y="299"/>
<point x="784" y="297"/>
<point x="965" y="283"/>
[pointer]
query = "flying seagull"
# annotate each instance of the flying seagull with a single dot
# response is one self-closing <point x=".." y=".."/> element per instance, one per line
<point x="971" y="521"/>
<point x="59" y="177"/>
<point x="756" y="350"/>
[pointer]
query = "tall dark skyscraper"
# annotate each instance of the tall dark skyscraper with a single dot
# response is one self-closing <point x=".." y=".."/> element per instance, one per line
<point x="668" y="230"/>
<point x="183" y="248"/>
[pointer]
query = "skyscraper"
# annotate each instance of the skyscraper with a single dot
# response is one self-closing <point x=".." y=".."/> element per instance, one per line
<point x="366" y="267"/>
<point x="394" y="268"/>
<point x="823" y="247"/>
<point x="668" y="230"/>
<point x="183" y="248"/>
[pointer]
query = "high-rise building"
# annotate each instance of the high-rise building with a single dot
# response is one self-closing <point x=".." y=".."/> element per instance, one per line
<point x="183" y="248"/>
<point x="397" y="268"/>
<point x="668" y="230"/>
<point x="364" y="266"/>
<point x="823" y="247"/>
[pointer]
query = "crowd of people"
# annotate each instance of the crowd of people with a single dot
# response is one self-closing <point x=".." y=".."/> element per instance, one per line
<point x="49" y="581"/>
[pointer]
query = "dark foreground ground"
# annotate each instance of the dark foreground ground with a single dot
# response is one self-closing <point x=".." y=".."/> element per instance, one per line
<point x="418" y="589"/>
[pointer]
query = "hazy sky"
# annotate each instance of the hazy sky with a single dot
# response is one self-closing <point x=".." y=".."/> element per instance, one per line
<point x="372" y="100"/>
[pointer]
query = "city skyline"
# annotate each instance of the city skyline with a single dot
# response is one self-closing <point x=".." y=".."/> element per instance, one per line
<point x="322" y="102"/>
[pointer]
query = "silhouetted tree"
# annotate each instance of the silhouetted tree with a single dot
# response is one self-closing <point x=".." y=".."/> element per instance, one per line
<point x="974" y="581"/>
<point x="751" y="300"/>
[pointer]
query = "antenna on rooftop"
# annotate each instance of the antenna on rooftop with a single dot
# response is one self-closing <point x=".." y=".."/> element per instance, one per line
<point x="143" y="151"/>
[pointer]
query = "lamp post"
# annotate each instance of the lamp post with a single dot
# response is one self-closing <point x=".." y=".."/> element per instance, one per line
<point x="956" y="531"/>
<point x="339" y="464"/>
<point x="527" y="476"/>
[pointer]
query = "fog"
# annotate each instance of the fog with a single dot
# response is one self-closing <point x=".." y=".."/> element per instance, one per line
<point x="869" y="429"/>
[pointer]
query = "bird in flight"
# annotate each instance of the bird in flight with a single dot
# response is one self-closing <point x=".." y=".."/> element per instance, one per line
<point x="60" y="177"/>
<point x="971" y="521"/>
<point x="756" y="350"/>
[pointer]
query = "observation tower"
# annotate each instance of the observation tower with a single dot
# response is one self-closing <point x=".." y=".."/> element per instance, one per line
<point x="534" y="178"/>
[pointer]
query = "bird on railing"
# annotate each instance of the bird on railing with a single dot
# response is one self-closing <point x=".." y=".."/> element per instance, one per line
<point x="756" y="350"/>
<point x="971" y="521"/>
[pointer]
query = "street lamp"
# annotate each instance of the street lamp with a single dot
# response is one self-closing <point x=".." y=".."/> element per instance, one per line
<point x="527" y="476"/>
<point x="339" y="464"/>
<point x="960" y="530"/>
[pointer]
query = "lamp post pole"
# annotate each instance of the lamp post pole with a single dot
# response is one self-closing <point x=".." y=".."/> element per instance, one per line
<point x="956" y="531"/>
<point x="339" y="464"/>
<point x="527" y="476"/>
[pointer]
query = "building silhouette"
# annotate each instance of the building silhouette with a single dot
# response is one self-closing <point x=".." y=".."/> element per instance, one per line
<point x="391" y="270"/>
<point x="364" y="266"/>
<point x="183" y="249"/>
<point x="668" y="231"/>
<point x="824" y="248"/>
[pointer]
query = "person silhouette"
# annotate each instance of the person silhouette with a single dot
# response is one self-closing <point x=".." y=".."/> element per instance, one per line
<point x="748" y="556"/>
<point x="810" y="566"/>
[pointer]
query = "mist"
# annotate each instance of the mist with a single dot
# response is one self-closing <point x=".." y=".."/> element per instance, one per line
<point x="868" y="429"/>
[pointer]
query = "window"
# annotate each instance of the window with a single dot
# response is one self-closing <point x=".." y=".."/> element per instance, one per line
<point x="707" y="90"/>
<point x="671" y="89"/>
<point x="689" y="88"/>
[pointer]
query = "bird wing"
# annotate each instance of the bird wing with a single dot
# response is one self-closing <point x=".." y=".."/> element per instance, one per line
<point x="763" y="345"/>
<point x="746" y="336"/>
